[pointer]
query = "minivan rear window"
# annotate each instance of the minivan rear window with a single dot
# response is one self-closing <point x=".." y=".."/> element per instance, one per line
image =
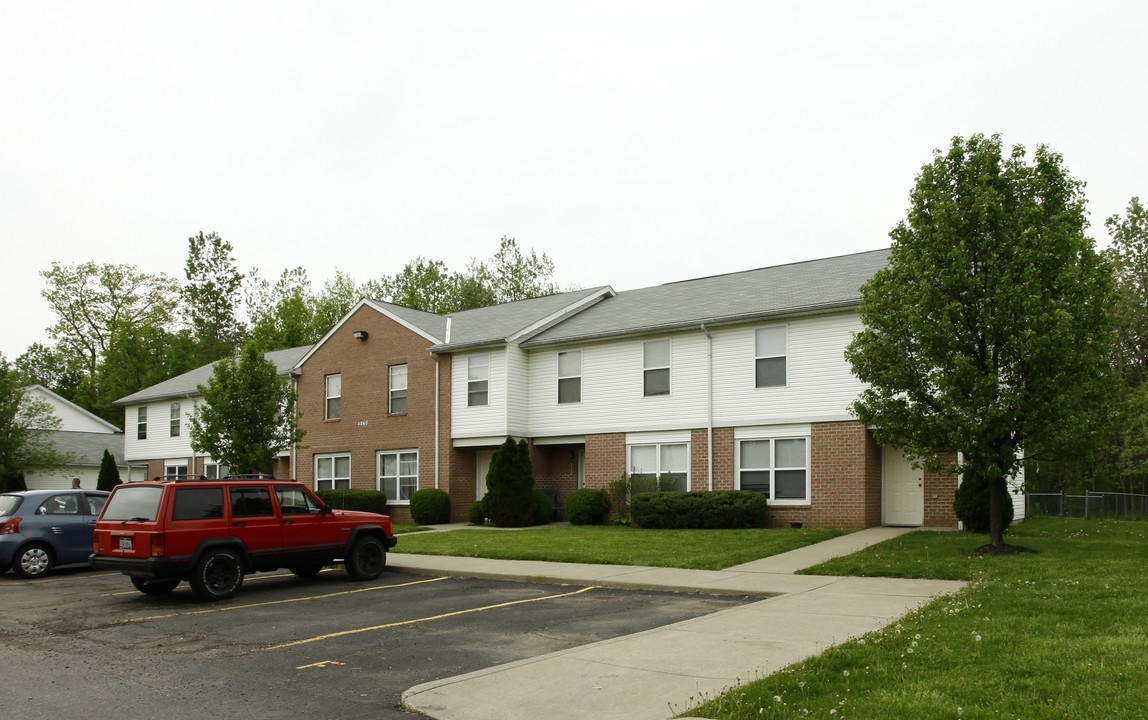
<point x="140" y="503"/>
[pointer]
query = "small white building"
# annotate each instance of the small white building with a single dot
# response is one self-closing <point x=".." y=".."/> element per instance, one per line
<point x="82" y="436"/>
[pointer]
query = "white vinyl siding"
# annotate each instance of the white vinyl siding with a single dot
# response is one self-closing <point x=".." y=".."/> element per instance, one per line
<point x="479" y="420"/>
<point x="158" y="444"/>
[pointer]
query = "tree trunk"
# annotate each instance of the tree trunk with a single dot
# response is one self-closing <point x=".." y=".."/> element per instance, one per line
<point x="996" y="512"/>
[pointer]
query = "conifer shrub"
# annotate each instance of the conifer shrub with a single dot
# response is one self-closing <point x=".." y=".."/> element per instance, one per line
<point x="509" y="500"/>
<point x="971" y="504"/>
<point x="109" y="475"/>
<point x="430" y="506"/>
<point x="587" y="506"/>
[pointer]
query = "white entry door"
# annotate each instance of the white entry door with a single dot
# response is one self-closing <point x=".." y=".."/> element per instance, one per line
<point x="904" y="489"/>
<point x="482" y="466"/>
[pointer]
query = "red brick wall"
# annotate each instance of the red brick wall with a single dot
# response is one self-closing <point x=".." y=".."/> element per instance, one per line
<point x="555" y="467"/>
<point x="940" y="489"/>
<point x="605" y="459"/>
<point x="365" y="426"/>
<point x="845" y="480"/>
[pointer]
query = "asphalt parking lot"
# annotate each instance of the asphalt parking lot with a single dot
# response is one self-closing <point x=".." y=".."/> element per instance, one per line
<point x="78" y="643"/>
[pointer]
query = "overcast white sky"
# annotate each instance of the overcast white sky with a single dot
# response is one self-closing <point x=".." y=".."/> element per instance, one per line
<point x="636" y="143"/>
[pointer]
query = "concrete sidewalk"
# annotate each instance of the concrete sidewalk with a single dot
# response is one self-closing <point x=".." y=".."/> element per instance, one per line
<point x="654" y="674"/>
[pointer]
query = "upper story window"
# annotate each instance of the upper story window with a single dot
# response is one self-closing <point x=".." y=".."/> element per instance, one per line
<point x="656" y="368"/>
<point x="398" y="398"/>
<point x="777" y="468"/>
<point x="770" y="356"/>
<point x="570" y="376"/>
<point x="141" y="423"/>
<point x="175" y="417"/>
<point x="334" y="396"/>
<point x="477" y="380"/>
<point x="668" y="460"/>
<point x="332" y="472"/>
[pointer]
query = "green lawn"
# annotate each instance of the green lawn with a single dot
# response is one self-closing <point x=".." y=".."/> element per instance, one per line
<point x="1059" y="634"/>
<point x="617" y="545"/>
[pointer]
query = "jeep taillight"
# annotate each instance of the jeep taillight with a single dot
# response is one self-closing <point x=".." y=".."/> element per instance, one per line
<point x="157" y="545"/>
<point x="10" y="527"/>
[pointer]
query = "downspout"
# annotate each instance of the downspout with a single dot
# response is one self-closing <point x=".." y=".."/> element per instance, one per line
<point x="709" y="406"/>
<point x="438" y="406"/>
<point x="295" y="445"/>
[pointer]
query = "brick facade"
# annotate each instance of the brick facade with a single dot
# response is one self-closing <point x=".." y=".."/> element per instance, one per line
<point x="365" y="425"/>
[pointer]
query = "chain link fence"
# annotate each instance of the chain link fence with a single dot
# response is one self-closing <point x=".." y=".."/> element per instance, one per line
<point x="1094" y="505"/>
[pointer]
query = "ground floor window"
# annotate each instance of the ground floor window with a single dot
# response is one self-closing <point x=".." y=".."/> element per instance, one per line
<point x="656" y="460"/>
<point x="175" y="468"/>
<point x="215" y="470"/>
<point x="399" y="474"/>
<point x="332" y="472"/>
<point x="775" y="467"/>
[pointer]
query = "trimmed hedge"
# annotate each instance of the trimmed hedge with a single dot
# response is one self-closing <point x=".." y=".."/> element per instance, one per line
<point x="475" y="515"/>
<point x="587" y="506"/>
<point x="430" y="506"/>
<point x="700" y="510"/>
<point x="351" y="499"/>
<point x="543" y="508"/>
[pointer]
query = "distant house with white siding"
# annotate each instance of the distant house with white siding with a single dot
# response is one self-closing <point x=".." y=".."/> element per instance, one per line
<point x="83" y="437"/>
<point x="157" y="440"/>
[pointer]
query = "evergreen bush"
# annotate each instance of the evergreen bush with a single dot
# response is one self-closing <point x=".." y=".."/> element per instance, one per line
<point x="109" y="475"/>
<point x="700" y="510"/>
<point x="543" y="508"/>
<point x="430" y="506"/>
<point x="971" y="504"/>
<point x="475" y="515"/>
<point x="353" y="499"/>
<point x="587" y="506"/>
<point x="509" y="500"/>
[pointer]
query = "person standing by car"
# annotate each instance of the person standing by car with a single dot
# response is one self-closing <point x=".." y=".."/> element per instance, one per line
<point x="75" y="483"/>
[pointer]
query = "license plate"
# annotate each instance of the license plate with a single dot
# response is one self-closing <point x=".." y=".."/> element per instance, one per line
<point x="125" y="543"/>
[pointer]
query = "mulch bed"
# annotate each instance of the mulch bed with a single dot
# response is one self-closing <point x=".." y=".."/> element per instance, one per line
<point x="1005" y="549"/>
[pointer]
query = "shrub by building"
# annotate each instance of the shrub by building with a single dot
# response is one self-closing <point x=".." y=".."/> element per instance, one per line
<point x="700" y="510"/>
<point x="587" y="506"/>
<point x="430" y="506"/>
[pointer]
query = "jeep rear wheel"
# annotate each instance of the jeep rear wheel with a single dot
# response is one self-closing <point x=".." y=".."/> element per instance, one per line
<point x="366" y="559"/>
<point x="154" y="587"/>
<point x="218" y="575"/>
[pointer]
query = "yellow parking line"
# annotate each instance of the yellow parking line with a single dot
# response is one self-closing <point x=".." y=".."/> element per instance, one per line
<point x="279" y="602"/>
<point x="425" y="619"/>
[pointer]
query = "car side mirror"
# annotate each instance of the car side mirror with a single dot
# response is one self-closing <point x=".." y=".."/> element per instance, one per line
<point x="327" y="510"/>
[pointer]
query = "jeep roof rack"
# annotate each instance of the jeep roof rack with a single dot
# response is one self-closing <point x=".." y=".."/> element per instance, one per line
<point x="252" y="476"/>
<point x="178" y="477"/>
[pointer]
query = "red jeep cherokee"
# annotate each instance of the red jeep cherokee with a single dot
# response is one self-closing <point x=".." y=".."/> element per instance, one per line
<point x="212" y="532"/>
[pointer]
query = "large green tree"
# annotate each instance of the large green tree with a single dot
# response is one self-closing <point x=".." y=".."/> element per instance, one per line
<point x="248" y="413"/>
<point x="211" y="295"/>
<point x="26" y="423"/>
<point x="989" y="330"/>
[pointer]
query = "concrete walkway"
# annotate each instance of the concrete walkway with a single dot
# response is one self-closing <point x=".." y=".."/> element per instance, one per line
<point x="655" y="674"/>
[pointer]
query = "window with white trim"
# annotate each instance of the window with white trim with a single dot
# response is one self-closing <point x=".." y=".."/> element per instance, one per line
<point x="332" y="472"/>
<point x="570" y="376"/>
<point x="398" y="395"/>
<point x="770" y="356"/>
<point x="398" y="474"/>
<point x="656" y="368"/>
<point x="175" y="417"/>
<point x="775" y="467"/>
<point x="141" y="423"/>
<point x="334" y="396"/>
<point x="215" y="470"/>
<point x="656" y="460"/>
<point x="477" y="380"/>
<point x="175" y="468"/>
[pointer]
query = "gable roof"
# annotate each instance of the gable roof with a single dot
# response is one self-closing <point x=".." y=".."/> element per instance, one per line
<point x="187" y="384"/>
<point x="59" y="403"/>
<point x="781" y="290"/>
<point x="87" y="448"/>
<point x="498" y="324"/>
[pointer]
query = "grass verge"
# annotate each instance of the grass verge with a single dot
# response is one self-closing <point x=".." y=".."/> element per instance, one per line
<point x="1058" y="634"/>
<point x="618" y="545"/>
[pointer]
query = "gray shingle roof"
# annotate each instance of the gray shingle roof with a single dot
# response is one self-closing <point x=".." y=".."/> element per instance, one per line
<point x="88" y="448"/>
<point x="809" y="286"/>
<point x="187" y="383"/>
<point x="497" y="323"/>
<point x="429" y="323"/>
